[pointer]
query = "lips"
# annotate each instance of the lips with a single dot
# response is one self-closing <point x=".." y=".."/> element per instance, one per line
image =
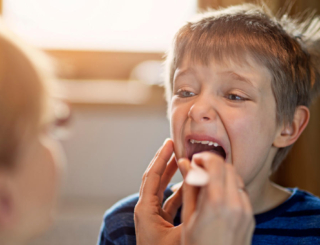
<point x="197" y="143"/>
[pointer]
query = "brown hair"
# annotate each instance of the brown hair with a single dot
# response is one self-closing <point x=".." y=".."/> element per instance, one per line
<point x="289" y="48"/>
<point x="24" y="93"/>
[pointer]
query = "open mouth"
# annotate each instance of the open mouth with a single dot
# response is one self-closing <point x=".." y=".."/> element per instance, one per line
<point x="197" y="146"/>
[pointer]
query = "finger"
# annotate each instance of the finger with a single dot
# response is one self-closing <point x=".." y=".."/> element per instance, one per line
<point x="190" y="193"/>
<point x="238" y="201"/>
<point x="167" y="176"/>
<point x="240" y="182"/>
<point x="246" y="201"/>
<point x="149" y="166"/>
<point x="173" y="203"/>
<point x="152" y="177"/>
<point x="189" y="200"/>
<point x="233" y="186"/>
<point x="184" y="166"/>
<point x="214" y="192"/>
<point x="215" y="166"/>
<point x="205" y="159"/>
<point x="248" y="223"/>
<point x="236" y="186"/>
<point x="202" y="201"/>
<point x="161" y="151"/>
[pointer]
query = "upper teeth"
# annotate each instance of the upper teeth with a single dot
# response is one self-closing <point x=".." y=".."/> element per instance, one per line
<point x="204" y="142"/>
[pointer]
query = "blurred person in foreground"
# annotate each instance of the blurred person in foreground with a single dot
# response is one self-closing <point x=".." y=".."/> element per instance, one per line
<point x="239" y="84"/>
<point x="31" y="161"/>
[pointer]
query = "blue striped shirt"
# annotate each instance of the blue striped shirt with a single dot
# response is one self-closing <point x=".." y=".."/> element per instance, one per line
<point x="296" y="221"/>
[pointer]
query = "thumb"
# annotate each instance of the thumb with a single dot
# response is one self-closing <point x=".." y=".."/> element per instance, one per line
<point x="184" y="166"/>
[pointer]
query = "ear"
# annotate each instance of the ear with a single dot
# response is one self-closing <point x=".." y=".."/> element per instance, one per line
<point x="6" y="200"/>
<point x="290" y="132"/>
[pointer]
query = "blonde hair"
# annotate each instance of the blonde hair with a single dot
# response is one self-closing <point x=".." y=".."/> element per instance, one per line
<point x="289" y="48"/>
<point x="25" y="75"/>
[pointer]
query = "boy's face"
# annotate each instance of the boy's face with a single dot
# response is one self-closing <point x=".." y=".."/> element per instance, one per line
<point x="232" y="105"/>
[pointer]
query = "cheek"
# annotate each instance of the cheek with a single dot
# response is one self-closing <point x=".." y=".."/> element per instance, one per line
<point x="178" y="119"/>
<point x="55" y="160"/>
<point x="251" y="127"/>
<point x="36" y="184"/>
<point x="49" y="174"/>
<point x="251" y="137"/>
<point x="46" y="182"/>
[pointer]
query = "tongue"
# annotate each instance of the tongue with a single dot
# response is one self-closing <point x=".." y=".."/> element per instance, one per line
<point x="197" y="148"/>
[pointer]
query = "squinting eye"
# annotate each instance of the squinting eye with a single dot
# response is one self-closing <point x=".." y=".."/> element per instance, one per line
<point x="185" y="93"/>
<point x="235" y="97"/>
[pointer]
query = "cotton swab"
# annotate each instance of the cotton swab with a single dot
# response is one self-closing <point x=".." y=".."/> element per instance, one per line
<point x="197" y="176"/>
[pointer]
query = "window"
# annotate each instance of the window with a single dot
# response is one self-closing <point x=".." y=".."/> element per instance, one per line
<point x="101" y="41"/>
<point x="129" y="25"/>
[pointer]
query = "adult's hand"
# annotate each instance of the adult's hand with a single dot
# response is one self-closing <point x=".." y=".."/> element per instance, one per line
<point x="154" y="222"/>
<point x="220" y="212"/>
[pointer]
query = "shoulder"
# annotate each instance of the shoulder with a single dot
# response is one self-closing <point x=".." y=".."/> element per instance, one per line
<point x="300" y="211"/>
<point x="118" y="222"/>
<point x="306" y="200"/>
<point x="305" y="211"/>
<point x="124" y="206"/>
<point x="297" y="221"/>
<point x="303" y="205"/>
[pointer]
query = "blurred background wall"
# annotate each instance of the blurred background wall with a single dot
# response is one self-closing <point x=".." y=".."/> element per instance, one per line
<point x="119" y="112"/>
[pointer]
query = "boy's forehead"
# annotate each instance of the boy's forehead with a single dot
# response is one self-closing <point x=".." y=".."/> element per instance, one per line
<point x="245" y="68"/>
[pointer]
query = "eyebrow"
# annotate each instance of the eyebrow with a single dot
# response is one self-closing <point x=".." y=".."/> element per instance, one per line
<point x="238" y="77"/>
<point x="183" y="72"/>
<point x="234" y="75"/>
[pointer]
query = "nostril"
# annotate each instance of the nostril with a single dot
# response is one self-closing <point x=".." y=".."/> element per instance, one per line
<point x="206" y="118"/>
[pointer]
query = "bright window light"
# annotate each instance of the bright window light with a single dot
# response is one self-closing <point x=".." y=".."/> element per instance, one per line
<point x="130" y="25"/>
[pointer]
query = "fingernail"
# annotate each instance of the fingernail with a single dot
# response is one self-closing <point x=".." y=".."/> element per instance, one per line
<point x="185" y="162"/>
<point x="181" y="160"/>
<point x="182" y="166"/>
<point x="166" y="140"/>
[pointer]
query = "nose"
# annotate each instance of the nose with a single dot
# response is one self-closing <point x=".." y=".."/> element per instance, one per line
<point x="202" y="110"/>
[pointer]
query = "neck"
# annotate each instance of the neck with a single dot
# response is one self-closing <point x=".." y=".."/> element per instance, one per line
<point x="267" y="196"/>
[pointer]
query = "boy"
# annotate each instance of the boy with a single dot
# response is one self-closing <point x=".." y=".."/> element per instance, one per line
<point x="30" y="158"/>
<point x="238" y="89"/>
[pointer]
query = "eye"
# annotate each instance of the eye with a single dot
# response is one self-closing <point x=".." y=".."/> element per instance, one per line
<point x="235" y="97"/>
<point x="185" y="93"/>
<point x="58" y="127"/>
<point x="58" y="132"/>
